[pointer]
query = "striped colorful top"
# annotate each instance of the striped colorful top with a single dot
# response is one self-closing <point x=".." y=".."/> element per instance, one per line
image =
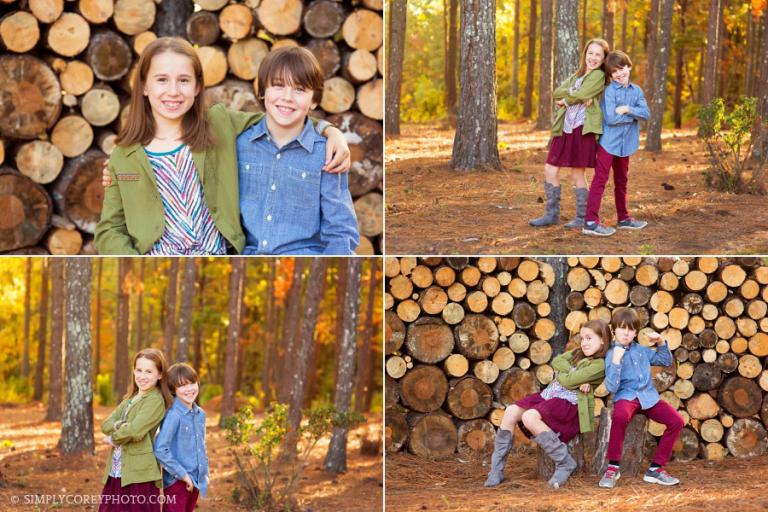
<point x="576" y="114"/>
<point x="189" y="227"/>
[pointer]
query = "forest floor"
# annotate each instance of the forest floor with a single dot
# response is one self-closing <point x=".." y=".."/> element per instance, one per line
<point x="30" y="464"/>
<point x="431" y="209"/>
<point x="453" y="486"/>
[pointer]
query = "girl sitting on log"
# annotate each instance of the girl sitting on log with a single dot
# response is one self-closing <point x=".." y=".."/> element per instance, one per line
<point x="578" y="123"/>
<point x="173" y="174"/>
<point x="132" y="479"/>
<point x="565" y="407"/>
<point x="628" y="377"/>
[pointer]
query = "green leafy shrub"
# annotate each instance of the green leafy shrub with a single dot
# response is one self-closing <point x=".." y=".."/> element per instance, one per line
<point x="104" y="389"/>
<point x="729" y="144"/>
<point x="255" y="451"/>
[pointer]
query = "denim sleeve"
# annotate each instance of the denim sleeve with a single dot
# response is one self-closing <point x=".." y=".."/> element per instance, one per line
<point x="609" y="111"/>
<point x="661" y="356"/>
<point x="640" y="109"/>
<point x="338" y="223"/>
<point x="163" y="453"/>
<point x="612" y="373"/>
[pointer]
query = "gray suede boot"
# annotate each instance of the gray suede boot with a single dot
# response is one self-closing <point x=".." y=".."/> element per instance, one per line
<point x="581" y="209"/>
<point x="558" y="452"/>
<point x="502" y="447"/>
<point x="552" y="213"/>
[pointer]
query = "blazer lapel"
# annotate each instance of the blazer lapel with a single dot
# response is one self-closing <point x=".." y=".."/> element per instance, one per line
<point x="137" y="155"/>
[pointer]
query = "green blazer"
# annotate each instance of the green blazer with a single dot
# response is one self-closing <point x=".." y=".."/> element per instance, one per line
<point x="588" y="371"/>
<point x="135" y="435"/>
<point x="591" y="88"/>
<point x="132" y="218"/>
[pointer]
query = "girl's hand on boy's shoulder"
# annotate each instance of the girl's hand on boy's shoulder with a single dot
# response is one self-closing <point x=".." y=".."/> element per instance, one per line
<point x="106" y="178"/>
<point x="588" y="103"/>
<point x="585" y="388"/>
<point x="337" y="155"/>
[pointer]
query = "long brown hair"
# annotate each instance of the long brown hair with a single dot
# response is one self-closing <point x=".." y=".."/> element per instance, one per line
<point x="583" y="64"/>
<point x="140" y="125"/>
<point x="157" y="357"/>
<point x="599" y="327"/>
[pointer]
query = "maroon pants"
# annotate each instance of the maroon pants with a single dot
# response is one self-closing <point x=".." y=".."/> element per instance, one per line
<point x="139" y="497"/>
<point x="603" y="164"/>
<point x="662" y="412"/>
<point x="179" y="499"/>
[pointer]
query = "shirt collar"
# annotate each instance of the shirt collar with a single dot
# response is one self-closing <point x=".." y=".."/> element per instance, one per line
<point x="306" y="137"/>
<point x="617" y="85"/>
<point x="181" y="408"/>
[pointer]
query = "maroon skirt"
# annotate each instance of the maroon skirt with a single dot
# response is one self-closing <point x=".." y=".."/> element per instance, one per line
<point x="573" y="150"/>
<point x="139" y="497"/>
<point x="559" y="415"/>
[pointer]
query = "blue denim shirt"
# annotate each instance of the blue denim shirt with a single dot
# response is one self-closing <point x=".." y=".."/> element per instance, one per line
<point x="288" y="205"/>
<point x="180" y="446"/>
<point x="632" y="377"/>
<point x="621" y="133"/>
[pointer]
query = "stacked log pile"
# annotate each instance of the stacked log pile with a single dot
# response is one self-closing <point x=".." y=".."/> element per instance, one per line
<point x="711" y="310"/>
<point x="66" y="71"/>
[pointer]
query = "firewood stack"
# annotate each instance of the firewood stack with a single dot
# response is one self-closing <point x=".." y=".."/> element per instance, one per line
<point x="66" y="71"/>
<point x="711" y="310"/>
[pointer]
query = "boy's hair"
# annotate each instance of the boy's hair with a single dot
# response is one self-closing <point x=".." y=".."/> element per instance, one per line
<point x="599" y="327"/>
<point x="158" y="358"/>
<point x="292" y="65"/>
<point x="617" y="59"/>
<point x="181" y="374"/>
<point x="583" y="64"/>
<point x="139" y="127"/>
<point x="627" y="318"/>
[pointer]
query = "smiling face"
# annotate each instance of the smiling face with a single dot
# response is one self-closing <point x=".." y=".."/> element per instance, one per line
<point x="287" y="104"/>
<point x="591" y="342"/>
<point x="188" y="393"/>
<point x="594" y="57"/>
<point x="170" y="86"/>
<point x="145" y="374"/>
<point x="624" y="334"/>
<point x="621" y="75"/>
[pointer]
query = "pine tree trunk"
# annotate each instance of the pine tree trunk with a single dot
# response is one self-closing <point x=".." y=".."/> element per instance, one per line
<point x="188" y="279"/>
<point x="396" y="38"/>
<point x="169" y="322"/>
<point x="653" y="141"/>
<point x="233" y="335"/>
<point x="199" y="333"/>
<point x="516" y="54"/>
<point x="268" y="346"/>
<point x="566" y="40"/>
<point x="122" y="373"/>
<point x="452" y="56"/>
<point x="138" y="332"/>
<point x="528" y="101"/>
<point x="290" y="330"/>
<point x="304" y="352"/>
<point x="475" y="143"/>
<point x="27" y="315"/>
<point x="364" y="374"/>
<point x="97" y="341"/>
<point x="42" y="331"/>
<point x="760" y="131"/>
<point x="651" y="34"/>
<point x="57" y="340"/>
<point x="77" y="423"/>
<point x="709" y="80"/>
<point x="544" y="117"/>
<point x="608" y="22"/>
<point x="679" y="75"/>
<point x="336" y="458"/>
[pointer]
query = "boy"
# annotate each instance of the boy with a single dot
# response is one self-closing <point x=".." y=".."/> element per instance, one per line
<point x="623" y="106"/>
<point x="288" y="205"/>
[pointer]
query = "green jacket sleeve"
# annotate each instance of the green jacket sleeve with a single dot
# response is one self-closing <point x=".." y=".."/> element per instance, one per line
<point x="562" y="363"/>
<point x="562" y="90"/>
<point x="591" y="87"/>
<point x="111" y="235"/>
<point x="148" y="415"/>
<point x="592" y="372"/>
<point x="108" y="425"/>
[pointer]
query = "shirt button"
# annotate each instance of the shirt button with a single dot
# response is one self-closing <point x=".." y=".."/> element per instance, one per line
<point x="273" y="187"/>
<point x="303" y="175"/>
<point x="269" y="217"/>
<point x="278" y="156"/>
<point x="264" y="243"/>
<point x="247" y="167"/>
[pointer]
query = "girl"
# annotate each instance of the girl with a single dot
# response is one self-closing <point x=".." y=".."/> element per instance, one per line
<point x="174" y="171"/>
<point x="132" y="477"/>
<point x="578" y="122"/>
<point x="180" y="445"/>
<point x="562" y="410"/>
<point x="628" y="377"/>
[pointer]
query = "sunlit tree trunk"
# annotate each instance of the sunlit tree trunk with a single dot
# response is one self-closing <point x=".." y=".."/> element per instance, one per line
<point x="653" y="139"/>
<point x="233" y="334"/>
<point x="42" y="331"/>
<point x="188" y="279"/>
<point x="58" y="304"/>
<point x="396" y="43"/>
<point x="544" y="118"/>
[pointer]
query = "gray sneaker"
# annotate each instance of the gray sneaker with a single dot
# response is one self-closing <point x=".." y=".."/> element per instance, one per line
<point x="631" y="223"/>
<point x="610" y="477"/>
<point x="659" y="476"/>
<point x="595" y="228"/>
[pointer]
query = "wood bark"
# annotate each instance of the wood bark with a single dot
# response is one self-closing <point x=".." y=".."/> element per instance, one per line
<point x="395" y="56"/>
<point x="236" y="281"/>
<point x="58" y="304"/>
<point x="188" y="278"/>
